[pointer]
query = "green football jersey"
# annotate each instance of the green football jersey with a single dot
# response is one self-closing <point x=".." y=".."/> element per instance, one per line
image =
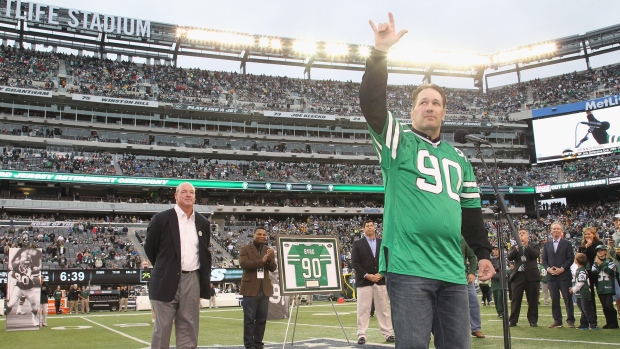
<point x="310" y="261"/>
<point x="605" y="283"/>
<point x="543" y="273"/>
<point x="426" y="186"/>
<point x="582" y="276"/>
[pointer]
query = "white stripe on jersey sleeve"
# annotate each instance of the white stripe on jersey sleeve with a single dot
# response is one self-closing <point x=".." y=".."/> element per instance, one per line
<point x="470" y="185"/>
<point x="378" y="147"/>
<point x="392" y="135"/>
<point x="470" y="195"/>
<point x="388" y="132"/>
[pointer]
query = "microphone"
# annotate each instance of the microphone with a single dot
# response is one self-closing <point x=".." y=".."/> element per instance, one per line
<point x="462" y="136"/>
<point x="604" y="125"/>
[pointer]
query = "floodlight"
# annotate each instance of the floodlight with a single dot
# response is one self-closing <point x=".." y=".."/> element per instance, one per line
<point x="276" y="44"/>
<point x="524" y="54"/>
<point x="304" y="46"/>
<point x="363" y="51"/>
<point x="224" y="38"/>
<point x="263" y="42"/>
<point x="334" y="49"/>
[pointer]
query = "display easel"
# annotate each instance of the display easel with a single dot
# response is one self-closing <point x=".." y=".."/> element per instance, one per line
<point x="308" y="265"/>
<point x="298" y="299"/>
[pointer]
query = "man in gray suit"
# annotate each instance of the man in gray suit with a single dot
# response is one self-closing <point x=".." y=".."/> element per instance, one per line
<point x="557" y="257"/>
<point x="177" y="244"/>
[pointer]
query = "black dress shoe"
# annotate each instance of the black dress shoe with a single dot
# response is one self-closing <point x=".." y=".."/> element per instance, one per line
<point x="512" y="324"/>
<point x="361" y="341"/>
<point x="390" y="339"/>
<point x="533" y="324"/>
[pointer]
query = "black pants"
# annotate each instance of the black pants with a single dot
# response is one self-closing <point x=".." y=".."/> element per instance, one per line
<point x="254" y="319"/>
<point x="531" y="288"/>
<point x="57" y="304"/>
<point x="486" y="293"/>
<point x="607" y="303"/>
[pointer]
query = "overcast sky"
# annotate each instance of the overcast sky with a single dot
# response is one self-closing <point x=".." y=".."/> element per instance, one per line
<point x="486" y="26"/>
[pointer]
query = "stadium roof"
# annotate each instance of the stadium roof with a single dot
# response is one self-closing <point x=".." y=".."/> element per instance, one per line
<point x="78" y="29"/>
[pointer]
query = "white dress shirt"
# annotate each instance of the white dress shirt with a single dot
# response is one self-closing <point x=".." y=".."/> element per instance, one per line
<point x="189" y="240"/>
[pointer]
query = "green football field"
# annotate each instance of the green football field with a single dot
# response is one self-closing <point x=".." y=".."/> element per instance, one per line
<point x="223" y="327"/>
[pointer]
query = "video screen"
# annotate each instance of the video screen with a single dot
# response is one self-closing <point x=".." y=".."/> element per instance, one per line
<point x="577" y="135"/>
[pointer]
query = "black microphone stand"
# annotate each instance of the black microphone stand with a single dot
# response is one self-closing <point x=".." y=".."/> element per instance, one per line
<point x="499" y="209"/>
<point x="585" y="138"/>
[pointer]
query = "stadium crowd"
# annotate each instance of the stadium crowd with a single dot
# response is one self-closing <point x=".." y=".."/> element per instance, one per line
<point x="105" y="77"/>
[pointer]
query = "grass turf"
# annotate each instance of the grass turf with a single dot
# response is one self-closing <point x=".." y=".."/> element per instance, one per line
<point x="223" y="326"/>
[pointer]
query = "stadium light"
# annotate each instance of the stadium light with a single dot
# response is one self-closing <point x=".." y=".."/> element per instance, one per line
<point x="334" y="49"/>
<point x="453" y="59"/>
<point x="181" y="32"/>
<point x="363" y="51"/>
<point x="524" y="54"/>
<point x="305" y="47"/>
<point x="276" y="44"/>
<point x="223" y="38"/>
<point x="264" y="42"/>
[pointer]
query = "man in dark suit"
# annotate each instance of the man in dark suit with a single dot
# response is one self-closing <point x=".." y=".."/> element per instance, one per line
<point x="257" y="261"/>
<point x="177" y="244"/>
<point x="557" y="257"/>
<point x="370" y="285"/>
<point x="525" y="277"/>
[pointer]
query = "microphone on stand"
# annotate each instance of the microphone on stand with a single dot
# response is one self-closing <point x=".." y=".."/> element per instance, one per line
<point x="604" y="125"/>
<point x="462" y="136"/>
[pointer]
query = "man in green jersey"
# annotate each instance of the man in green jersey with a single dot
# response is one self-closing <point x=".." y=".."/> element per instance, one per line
<point x="431" y="199"/>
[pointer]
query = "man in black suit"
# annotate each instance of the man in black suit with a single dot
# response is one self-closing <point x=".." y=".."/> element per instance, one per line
<point x="557" y="257"/>
<point x="525" y="277"/>
<point x="370" y="284"/>
<point x="177" y="244"/>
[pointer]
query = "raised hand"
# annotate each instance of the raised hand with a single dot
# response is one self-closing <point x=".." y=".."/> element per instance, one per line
<point x="385" y="34"/>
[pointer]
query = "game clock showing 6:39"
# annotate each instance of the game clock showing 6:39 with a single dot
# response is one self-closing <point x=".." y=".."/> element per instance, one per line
<point x="94" y="276"/>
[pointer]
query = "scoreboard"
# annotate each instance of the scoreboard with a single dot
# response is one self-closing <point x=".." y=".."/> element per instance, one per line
<point x="93" y="276"/>
<point x="115" y="276"/>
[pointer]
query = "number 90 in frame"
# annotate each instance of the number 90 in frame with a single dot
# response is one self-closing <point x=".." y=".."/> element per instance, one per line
<point x="309" y="264"/>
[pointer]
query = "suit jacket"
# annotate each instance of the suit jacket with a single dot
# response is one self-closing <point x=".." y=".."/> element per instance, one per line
<point x="563" y="258"/>
<point x="250" y="259"/>
<point x="364" y="262"/>
<point x="163" y="247"/>
<point x="530" y="266"/>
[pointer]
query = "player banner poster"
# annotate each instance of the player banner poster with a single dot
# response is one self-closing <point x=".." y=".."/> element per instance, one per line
<point x="309" y="264"/>
<point x="23" y="289"/>
<point x="278" y="304"/>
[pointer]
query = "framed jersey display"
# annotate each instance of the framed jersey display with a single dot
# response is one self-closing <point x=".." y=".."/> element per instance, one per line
<point x="309" y="264"/>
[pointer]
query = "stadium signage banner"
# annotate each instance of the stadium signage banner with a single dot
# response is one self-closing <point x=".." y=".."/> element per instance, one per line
<point x="25" y="91"/>
<point x="203" y="183"/>
<point x="211" y="109"/>
<point x="467" y="123"/>
<point x="76" y="19"/>
<point x="108" y="100"/>
<point x="52" y="224"/>
<point x="284" y="114"/>
<point x="357" y="119"/>
<point x="613" y="180"/>
<point x="571" y="185"/>
<point x="593" y="104"/>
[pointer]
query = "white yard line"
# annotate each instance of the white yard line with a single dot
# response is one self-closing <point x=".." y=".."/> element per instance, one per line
<point x="117" y="332"/>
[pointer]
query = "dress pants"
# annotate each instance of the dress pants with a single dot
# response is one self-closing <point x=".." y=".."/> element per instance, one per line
<point x="365" y="297"/>
<point x="183" y="310"/>
<point x="531" y="288"/>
